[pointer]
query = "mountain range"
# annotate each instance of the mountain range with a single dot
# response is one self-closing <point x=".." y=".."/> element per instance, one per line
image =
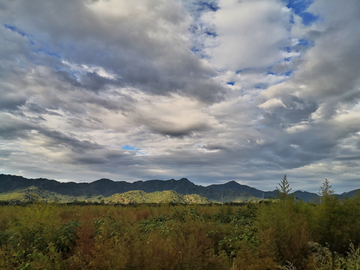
<point x="104" y="188"/>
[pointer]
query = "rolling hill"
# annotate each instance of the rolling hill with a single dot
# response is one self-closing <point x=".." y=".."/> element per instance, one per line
<point x="104" y="188"/>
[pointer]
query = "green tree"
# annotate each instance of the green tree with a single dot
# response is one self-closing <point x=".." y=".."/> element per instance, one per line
<point x="285" y="226"/>
<point x="334" y="222"/>
<point x="326" y="189"/>
<point x="283" y="189"/>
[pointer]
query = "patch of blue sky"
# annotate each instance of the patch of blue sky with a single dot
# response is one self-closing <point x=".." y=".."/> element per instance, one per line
<point x="43" y="49"/>
<point x="301" y="42"/>
<point x="210" y="33"/>
<point x="306" y="43"/>
<point x="244" y="70"/>
<point x="231" y="83"/>
<point x="299" y="7"/>
<point x="199" y="53"/>
<point x="50" y="53"/>
<point x="287" y="73"/>
<point x="201" y="28"/>
<point x="292" y="21"/>
<point x="55" y="54"/>
<point x="261" y="86"/>
<point x="198" y="7"/>
<point x="131" y="148"/>
<point x="19" y="31"/>
<point x="139" y="151"/>
<point x="287" y="49"/>
<point x="15" y="29"/>
<point x="207" y="6"/>
<point x="193" y="28"/>
<point x="308" y="18"/>
<point x="195" y="50"/>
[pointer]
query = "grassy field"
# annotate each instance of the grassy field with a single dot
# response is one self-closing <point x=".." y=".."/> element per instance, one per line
<point x="278" y="234"/>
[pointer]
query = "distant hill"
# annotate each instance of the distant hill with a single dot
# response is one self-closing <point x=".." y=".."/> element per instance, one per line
<point x="33" y="193"/>
<point x="349" y="194"/>
<point x="168" y="196"/>
<point x="136" y="196"/>
<point x="102" y="188"/>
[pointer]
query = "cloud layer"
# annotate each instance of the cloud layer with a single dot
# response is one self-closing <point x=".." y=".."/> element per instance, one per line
<point x="216" y="91"/>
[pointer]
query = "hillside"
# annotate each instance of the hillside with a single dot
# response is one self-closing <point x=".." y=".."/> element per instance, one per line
<point x="136" y="196"/>
<point x="33" y="193"/>
<point x="231" y="191"/>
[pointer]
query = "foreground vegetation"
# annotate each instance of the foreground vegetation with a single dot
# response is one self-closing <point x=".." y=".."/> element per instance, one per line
<point x="279" y="234"/>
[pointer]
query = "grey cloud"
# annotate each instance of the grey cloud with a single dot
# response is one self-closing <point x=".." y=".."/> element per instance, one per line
<point x="59" y="139"/>
<point x="171" y="129"/>
<point x="10" y="101"/>
<point x="317" y="142"/>
<point x="325" y="84"/>
<point x="5" y="153"/>
<point x="212" y="146"/>
<point x="82" y="84"/>
<point x="89" y="160"/>
<point x="155" y="65"/>
<point x="296" y="111"/>
<point x="12" y="129"/>
<point x="93" y="81"/>
<point x="32" y="107"/>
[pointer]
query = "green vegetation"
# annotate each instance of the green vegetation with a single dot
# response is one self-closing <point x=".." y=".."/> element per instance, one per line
<point x="168" y="196"/>
<point x="33" y="194"/>
<point x="94" y="191"/>
<point x="271" y="234"/>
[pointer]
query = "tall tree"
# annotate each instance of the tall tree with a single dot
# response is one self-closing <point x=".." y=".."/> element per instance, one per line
<point x="283" y="189"/>
<point x="326" y="189"/>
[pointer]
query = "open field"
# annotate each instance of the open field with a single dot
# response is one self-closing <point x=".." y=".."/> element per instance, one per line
<point x="173" y="236"/>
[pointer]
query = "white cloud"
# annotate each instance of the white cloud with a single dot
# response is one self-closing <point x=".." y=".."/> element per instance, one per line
<point x="272" y="103"/>
<point x="75" y="89"/>
<point x="251" y="34"/>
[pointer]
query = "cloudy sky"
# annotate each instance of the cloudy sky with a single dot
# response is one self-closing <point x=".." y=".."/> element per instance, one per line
<point x="211" y="90"/>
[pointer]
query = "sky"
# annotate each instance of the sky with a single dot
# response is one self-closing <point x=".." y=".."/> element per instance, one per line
<point x="213" y="91"/>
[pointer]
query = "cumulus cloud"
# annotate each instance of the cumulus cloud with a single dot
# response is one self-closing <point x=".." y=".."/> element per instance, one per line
<point x="272" y="103"/>
<point x="81" y="41"/>
<point x="213" y="91"/>
<point x="249" y="34"/>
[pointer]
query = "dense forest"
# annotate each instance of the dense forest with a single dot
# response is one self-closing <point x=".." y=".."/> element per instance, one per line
<point x="272" y="234"/>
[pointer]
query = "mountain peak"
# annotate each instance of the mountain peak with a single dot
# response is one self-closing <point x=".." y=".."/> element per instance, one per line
<point x="232" y="182"/>
<point x="104" y="180"/>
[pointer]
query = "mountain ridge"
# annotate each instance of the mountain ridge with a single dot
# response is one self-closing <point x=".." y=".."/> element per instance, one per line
<point x="230" y="191"/>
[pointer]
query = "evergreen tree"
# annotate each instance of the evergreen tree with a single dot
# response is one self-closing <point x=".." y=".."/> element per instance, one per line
<point x="283" y="189"/>
<point x="326" y="189"/>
